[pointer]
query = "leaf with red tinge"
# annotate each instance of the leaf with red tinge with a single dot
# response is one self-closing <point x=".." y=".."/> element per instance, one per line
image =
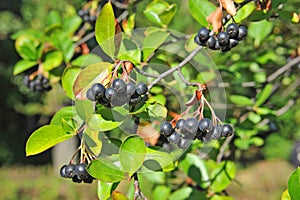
<point x="98" y="72"/>
<point x="116" y="195"/>
<point x="215" y="19"/>
<point x="118" y="37"/>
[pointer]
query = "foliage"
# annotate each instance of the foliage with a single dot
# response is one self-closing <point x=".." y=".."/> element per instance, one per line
<point x="261" y="87"/>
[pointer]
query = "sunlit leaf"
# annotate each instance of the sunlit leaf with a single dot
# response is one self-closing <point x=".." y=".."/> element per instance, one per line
<point x="294" y="184"/>
<point x="23" y="65"/>
<point x="200" y="9"/>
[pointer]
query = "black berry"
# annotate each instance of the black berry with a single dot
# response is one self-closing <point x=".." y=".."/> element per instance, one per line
<point x="183" y="143"/>
<point x="62" y="171"/>
<point x="90" y="95"/>
<point x="227" y="130"/>
<point x="203" y="35"/>
<point x="69" y="170"/>
<point x="211" y="42"/>
<point x="232" y="30"/>
<point x="80" y="171"/>
<point x="174" y="138"/>
<point x="119" y="86"/>
<point x="233" y="43"/>
<point x="76" y="179"/>
<point x="130" y="89"/>
<point x="135" y="99"/>
<point x="98" y="90"/>
<point x="180" y="124"/>
<point x="205" y="125"/>
<point x="166" y="129"/>
<point x="223" y="39"/>
<point x="141" y="88"/>
<point x="242" y="32"/>
<point x="110" y="93"/>
<point x="216" y="134"/>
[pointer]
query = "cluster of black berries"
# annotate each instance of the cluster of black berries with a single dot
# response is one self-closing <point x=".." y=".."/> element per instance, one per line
<point x="118" y="94"/>
<point x="190" y="129"/>
<point x="76" y="172"/>
<point x="86" y="16"/>
<point x="38" y="84"/>
<point x="223" y="41"/>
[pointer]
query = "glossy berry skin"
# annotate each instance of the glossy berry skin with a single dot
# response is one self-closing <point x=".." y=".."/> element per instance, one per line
<point x="69" y="170"/>
<point x="203" y="35"/>
<point x="62" y="171"/>
<point x="130" y="89"/>
<point x="242" y="32"/>
<point x="197" y="41"/>
<point x="88" y="180"/>
<point x="141" y="88"/>
<point x="119" y="86"/>
<point x="216" y="134"/>
<point x="191" y="126"/>
<point x="205" y="125"/>
<point x="98" y="90"/>
<point x="166" y="129"/>
<point x="183" y="143"/>
<point x="217" y="45"/>
<point x="227" y="130"/>
<point x="110" y="93"/>
<point x="135" y="99"/>
<point x="223" y="39"/>
<point x="233" y="43"/>
<point x="76" y="179"/>
<point x="180" y="124"/>
<point x="174" y="138"/>
<point x="232" y="30"/>
<point x="211" y="42"/>
<point x="80" y="171"/>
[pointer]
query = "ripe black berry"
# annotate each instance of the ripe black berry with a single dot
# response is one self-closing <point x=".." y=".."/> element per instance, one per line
<point x="69" y="170"/>
<point x="141" y="88"/>
<point x="110" y="93"/>
<point x="119" y="86"/>
<point x="183" y="143"/>
<point x="191" y="126"/>
<point x="197" y="41"/>
<point x="166" y="129"/>
<point x="98" y="90"/>
<point x="211" y="42"/>
<point x="80" y="171"/>
<point x="174" y="138"/>
<point x="135" y="99"/>
<point x="203" y="35"/>
<point x="62" y="171"/>
<point x="233" y="43"/>
<point x="130" y="88"/>
<point x="76" y="179"/>
<point x="223" y="39"/>
<point x="227" y="130"/>
<point x="180" y="124"/>
<point x="88" y="180"/>
<point x="217" y="45"/>
<point x="205" y="125"/>
<point x="242" y="32"/>
<point x="90" y="95"/>
<point x="232" y="30"/>
<point x="216" y="134"/>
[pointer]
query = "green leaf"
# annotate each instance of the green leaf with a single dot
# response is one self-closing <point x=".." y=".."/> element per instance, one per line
<point x="132" y="154"/>
<point x="104" y="190"/>
<point x="64" y="43"/>
<point x="157" y="111"/>
<point x="93" y="141"/>
<point x="86" y="59"/>
<point x="105" y="30"/>
<point x="53" y="18"/>
<point x="195" y="168"/>
<point x="259" y="31"/>
<point x="44" y="138"/>
<point x="118" y="196"/>
<point x="98" y="72"/>
<point x="23" y="65"/>
<point x="257" y="141"/>
<point x="71" y="24"/>
<point x="28" y="47"/>
<point x="98" y="123"/>
<point x="164" y="159"/>
<point x="152" y="42"/>
<point x="161" y="192"/>
<point x="253" y="117"/>
<point x="263" y="95"/>
<point x="200" y="9"/>
<point x="244" y="12"/>
<point x="64" y="113"/>
<point x="129" y="50"/>
<point x="181" y="194"/>
<point x="294" y="184"/>
<point x="222" y="176"/>
<point x="241" y="144"/>
<point x="52" y="60"/>
<point x="240" y="100"/>
<point x="219" y="197"/>
<point x="68" y="78"/>
<point x="105" y="171"/>
<point x="84" y="108"/>
<point x="160" y="12"/>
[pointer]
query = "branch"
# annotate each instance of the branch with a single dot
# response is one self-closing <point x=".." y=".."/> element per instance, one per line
<point x="85" y="39"/>
<point x="223" y="148"/>
<point x="186" y="81"/>
<point x="138" y="70"/>
<point x="137" y="190"/>
<point x="179" y="66"/>
<point x="283" y="69"/>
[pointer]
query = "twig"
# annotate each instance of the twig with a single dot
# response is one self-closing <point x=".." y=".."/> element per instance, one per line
<point x="137" y="191"/>
<point x="186" y="81"/>
<point x="285" y="108"/>
<point x="283" y="69"/>
<point x="223" y="148"/>
<point x="85" y="39"/>
<point x="138" y="70"/>
<point x="180" y="65"/>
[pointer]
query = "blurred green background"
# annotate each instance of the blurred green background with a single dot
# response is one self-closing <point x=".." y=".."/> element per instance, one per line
<point x="21" y="112"/>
